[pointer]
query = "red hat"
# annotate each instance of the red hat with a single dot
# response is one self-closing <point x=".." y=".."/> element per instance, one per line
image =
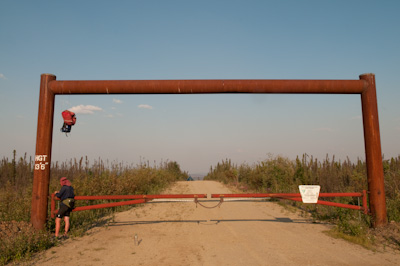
<point x="65" y="182"/>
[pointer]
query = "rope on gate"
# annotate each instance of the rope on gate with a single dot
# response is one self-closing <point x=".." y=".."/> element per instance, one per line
<point x="207" y="207"/>
<point x="198" y="202"/>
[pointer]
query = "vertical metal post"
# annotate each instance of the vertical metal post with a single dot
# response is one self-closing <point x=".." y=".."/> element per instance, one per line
<point x="41" y="173"/>
<point x="373" y="152"/>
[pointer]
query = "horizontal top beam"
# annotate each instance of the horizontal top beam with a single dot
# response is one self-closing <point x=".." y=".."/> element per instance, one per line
<point x="206" y="86"/>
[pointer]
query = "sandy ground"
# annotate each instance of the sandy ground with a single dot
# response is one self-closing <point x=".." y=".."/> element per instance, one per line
<point x="236" y="233"/>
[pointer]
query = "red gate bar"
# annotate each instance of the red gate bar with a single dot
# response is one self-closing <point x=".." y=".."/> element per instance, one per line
<point x="297" y="197"/>
<point x="137" y="199"/>
<point x="101" y="206"/>
<point x="165" y="196"/>
<point x="334" y="204"/>
<point x="279" y="195"/>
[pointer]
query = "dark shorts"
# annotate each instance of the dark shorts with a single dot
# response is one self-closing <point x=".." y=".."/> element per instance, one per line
<point x="63" y="211"/>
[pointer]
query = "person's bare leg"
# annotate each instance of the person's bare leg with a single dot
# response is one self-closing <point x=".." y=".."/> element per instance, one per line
<point x="66" y="220"/>
<point x="58" y="224"/>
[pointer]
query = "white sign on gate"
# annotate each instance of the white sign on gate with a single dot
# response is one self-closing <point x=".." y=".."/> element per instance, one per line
<point x="309" y="194"/>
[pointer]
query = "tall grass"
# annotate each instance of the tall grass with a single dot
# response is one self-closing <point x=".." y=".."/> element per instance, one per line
<point x="19" y="240"/>
<point x="275" y="174"/>
<point x="280" y="175"/>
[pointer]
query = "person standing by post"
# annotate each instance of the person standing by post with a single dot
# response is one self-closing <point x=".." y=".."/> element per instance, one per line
<point x="66" y="195"/>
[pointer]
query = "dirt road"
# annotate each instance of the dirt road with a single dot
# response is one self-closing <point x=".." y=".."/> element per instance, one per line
<point x="236" y="233"/>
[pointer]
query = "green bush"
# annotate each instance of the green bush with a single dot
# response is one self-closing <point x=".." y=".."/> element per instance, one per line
<point x="279" y="175"/>
<point x="19" y="240"/>
<point x="17" y="237"/>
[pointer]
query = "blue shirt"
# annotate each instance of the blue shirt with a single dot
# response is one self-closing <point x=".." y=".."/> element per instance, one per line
<point x="65" y="193"/>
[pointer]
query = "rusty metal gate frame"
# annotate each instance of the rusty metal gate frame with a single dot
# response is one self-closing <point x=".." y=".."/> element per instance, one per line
<point x="50" y="87"/>
<point x="140" y="199"/>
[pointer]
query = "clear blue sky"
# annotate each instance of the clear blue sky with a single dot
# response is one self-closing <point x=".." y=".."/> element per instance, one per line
<point x="111" y="40"/>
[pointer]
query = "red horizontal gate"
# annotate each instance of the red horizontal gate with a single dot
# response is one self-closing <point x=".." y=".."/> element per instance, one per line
<point x="132" y="199"/>
<point x="137" y="199"/>
<point x="297" y="197"/>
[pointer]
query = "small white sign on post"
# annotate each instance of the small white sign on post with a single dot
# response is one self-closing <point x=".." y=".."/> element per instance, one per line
<point x="309" y="194"/>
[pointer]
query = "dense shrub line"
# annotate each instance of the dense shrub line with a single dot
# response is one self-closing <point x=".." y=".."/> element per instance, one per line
<point x="279" y="175"/>
<point x="17" y="237"/>
<point x="275" y="174"/>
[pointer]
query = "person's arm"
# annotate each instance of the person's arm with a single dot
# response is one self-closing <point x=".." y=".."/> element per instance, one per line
<point x="60" y="193"/>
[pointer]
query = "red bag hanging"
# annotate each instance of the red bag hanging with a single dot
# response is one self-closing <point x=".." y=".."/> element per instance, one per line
<point x="69" y="117"/>
<point x="69" y="120"/>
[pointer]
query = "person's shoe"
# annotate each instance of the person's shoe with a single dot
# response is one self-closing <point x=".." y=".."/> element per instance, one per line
<point x="56" y="238"/>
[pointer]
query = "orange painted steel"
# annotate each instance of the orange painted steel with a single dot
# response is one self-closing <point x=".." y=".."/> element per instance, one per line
<point x="297" y="197"/>
<point x="373" y="152"/>
<point x="49" y="87"/>
<point x="206" y="86"/>
<point x="135" y="199"/>
<point x="272" y="195"/>
<point x="334" y="204"/>
<point x="163" y="196"/>
<point x="41" y="172"/>
<point x="138" y="199"/>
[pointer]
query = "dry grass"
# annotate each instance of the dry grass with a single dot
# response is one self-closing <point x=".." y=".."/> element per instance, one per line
<point x="18" y="240"/>
<point x="280" y="175"/>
